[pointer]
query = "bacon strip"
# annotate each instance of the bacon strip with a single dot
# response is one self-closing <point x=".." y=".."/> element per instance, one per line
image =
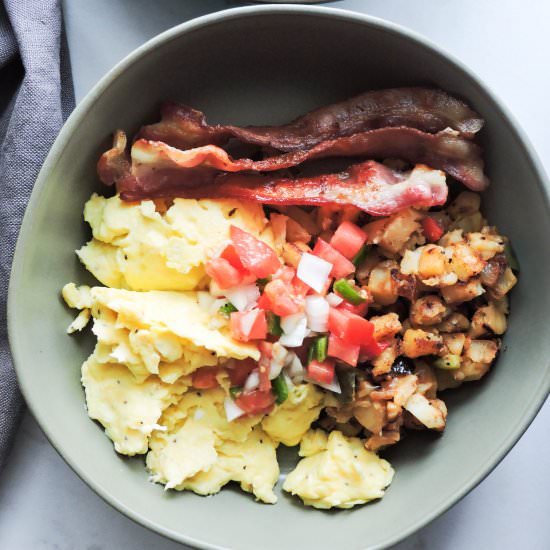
<point x="430" y="110"/>
<point x="156" y="164"/>
<point x="370" y="186"/>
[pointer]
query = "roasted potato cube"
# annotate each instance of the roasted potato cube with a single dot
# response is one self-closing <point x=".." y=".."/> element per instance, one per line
<point x="428" y="310"/>
<point x="417" y="342"/>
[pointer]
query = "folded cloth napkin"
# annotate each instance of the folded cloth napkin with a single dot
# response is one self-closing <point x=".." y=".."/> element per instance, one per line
<point x="35" y="98"/>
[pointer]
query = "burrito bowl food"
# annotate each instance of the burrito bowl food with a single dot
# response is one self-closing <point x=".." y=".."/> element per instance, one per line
<point x="251" y="297"/>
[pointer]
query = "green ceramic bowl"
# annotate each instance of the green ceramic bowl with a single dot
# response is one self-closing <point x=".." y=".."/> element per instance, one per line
<point x="266" y="65"/>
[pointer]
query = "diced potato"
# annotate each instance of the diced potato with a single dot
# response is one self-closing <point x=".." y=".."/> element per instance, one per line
<point x="417" y="342"/>
<point x="504" y="284"/>
<point x="383" y="363"/>
<point x="466" y="203"/>
<point x="431" y="412"/>
<point x="470" y="371"/>
<point x="387" y="438"/>
<point x="398" y="230"/>
<point x="428" y="310"/>
<point x="385" y="326"/>
<point x="481" y="351"/>
<point x="488" y="317"/>
<point x="404" y="387"/>
<point x="292" y="252"/>
<point x="382" y="285"/>
<point x="464" y="261"/>
<point x="371" y="415"/>
<point x="463" y="292"/>
<point x="455" y="322"/>
<point x="432" y="262"/>
<point x="427" y="380"/>
<point x="454" y="343"/>
<point x="486" y="245"/>
<point x="451" y="237"/>
<point x="296" y="232"/>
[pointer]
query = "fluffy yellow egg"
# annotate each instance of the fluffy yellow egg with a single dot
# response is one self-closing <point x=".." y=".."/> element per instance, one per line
<point x="136" y="247"/>
<point x="337" y="471"/>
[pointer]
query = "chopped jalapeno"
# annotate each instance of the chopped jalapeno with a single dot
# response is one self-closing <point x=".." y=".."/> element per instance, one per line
<point x="274" y="324"/>
<point x="321" y="348"/>
<point x="235" y="391"/>
<point x="227" y="309"/>
<point x="263" y="281"/>
<point x="359" y="258"/>
<point x="348" y="292"/>
<point x="280" y="388"/>
<point x="448" y="362"/>
<point x="511" y="257"/>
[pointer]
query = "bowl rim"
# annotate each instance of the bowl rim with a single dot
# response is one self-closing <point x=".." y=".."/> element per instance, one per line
<point x="81" y="110"/>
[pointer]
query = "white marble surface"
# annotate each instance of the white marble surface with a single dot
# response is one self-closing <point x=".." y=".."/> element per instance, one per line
<point x="44" y="505"/>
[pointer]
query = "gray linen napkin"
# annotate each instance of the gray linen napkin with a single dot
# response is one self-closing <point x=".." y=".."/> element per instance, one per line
<point x="35" y="98"/>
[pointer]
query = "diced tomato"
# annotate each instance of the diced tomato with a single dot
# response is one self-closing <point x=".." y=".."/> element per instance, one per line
<point x="282" y="299"/>
<point x="321" y="372"/>
<point x="248" y="325"/>
<point x="255" y="255"/>
<point x="285" y="273"/>
<point x="349" y="353"/>
<point x="264" y="302"/>
<point x="348" y="239"/>
<point x="225" y="275"/>
<point x="432" y="229"/>
<point x="301" y="288"/>
<point x="256" y="401"/>
<point x="350" y="327"/>
<point x="266" y="349"/>
<point x="230" y="254"/>
<point x="342" y="266"/>
<point x="239" y="370"/>
<point x="373" y="349"/>
<point x="360" y="309"/>
<point x="205" y="378"/>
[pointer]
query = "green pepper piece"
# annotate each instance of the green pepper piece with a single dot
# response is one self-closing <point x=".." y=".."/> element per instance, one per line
<point x="274" y="324"/>
<point x="359" y="258"/>
<point x="511" y="257"/>
<point x="347" y="379"/>
<point x="448" y="362"/>
<point x="263" y="281"/>
<point x="311" y="353"/>
<point x="280" y="388"/>
<point x="321" y="348"/>
<point x="347" y="292"/>
<point x="235" y="391"/>
<point x="227" y="309"/>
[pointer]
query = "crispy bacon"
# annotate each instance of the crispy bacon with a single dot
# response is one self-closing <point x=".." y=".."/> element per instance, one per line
<point x="155" y="164"/>
<point x="370" y="186"/>
<point x="427" y="109"/>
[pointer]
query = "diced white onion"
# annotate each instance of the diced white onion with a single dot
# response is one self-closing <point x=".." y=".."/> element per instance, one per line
<point x="295" y="369"/>
<point x="294" y="330"/>
<point x="334" y="386"/>
<point x="278" y="358"/>
<point x="334" y="300"/>
<point x="252" y="382"/>
<point x="248" y="320"/>
<point x="314" y="271"/>
<point x="288" y="380"/>
<point x="317" y="310"/>
<point x="243" y="297"/>
<point x="232" y="411"/>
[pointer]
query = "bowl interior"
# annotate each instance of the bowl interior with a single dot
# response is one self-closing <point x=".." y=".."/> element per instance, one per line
<point x="260" y="66"/>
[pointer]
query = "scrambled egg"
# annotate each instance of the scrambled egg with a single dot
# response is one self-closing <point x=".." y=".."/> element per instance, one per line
<point x="129" y="410"/>
<point x="289" y="422"/>
<point x="137" y="248"/>
<point x="201" y="451"/>
<point x="156" y="332"/>
<point x="337" y="471"/>
<point x="154" y="329"/>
